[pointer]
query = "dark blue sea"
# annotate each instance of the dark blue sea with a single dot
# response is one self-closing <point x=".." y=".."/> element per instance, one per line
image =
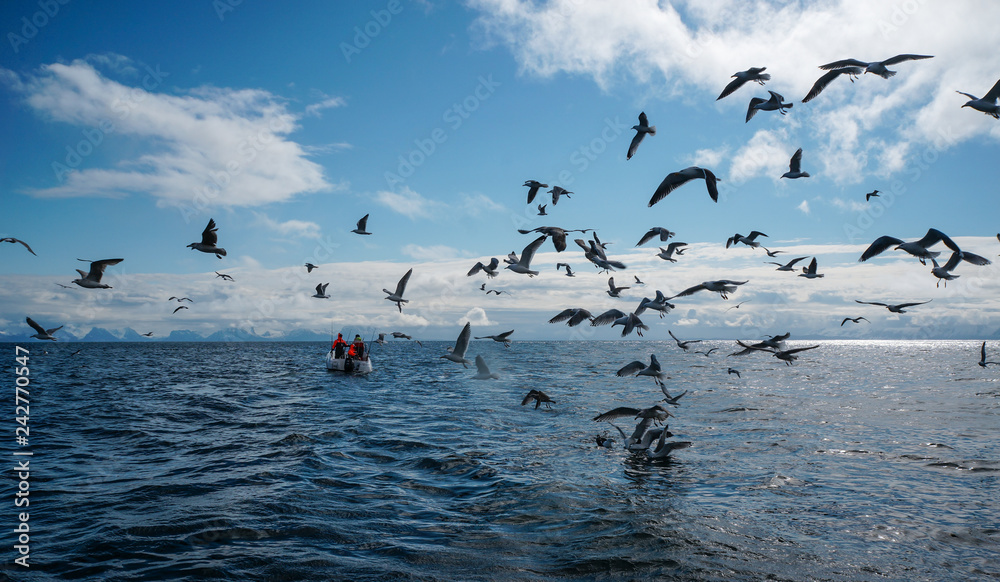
<point x="874" y="460"/>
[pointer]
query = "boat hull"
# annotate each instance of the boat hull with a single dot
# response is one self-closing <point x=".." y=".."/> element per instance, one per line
<point x="349" y="366"/>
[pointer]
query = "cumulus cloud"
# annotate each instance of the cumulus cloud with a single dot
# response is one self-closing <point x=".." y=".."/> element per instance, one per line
<point x="297" y="228"/>
<point x="475" y="316"/>
<point x="408" y="203"/>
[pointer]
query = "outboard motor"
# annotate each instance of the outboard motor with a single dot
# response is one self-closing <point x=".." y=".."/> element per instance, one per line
<point x="349" y="365"/>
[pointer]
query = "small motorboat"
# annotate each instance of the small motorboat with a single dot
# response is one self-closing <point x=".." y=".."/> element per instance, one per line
<point x="348" y="365"/>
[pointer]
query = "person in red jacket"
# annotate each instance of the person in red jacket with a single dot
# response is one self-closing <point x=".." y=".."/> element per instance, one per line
<point x="357" y="350"/>
<point x="338" y="346"/>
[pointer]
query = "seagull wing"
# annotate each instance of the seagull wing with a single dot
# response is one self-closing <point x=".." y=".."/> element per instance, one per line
<point x="971" y="258"/>
<point x="607" y="317"/>
<point x="529" y="251"/>
<point x="647" y="237"/>
<point x="690" y="291"/>
<point x="903" y="58"/>
<point x="843" y="63"/>
<point x="752" y="109"/>
<point x="631" y="368"/>
<point x="363" y="223"/>
<point x="954" y="260"/>
<point x="578" y="317"/>
<point x="673" y="181"/>
<point x="209" y="236"/>
<point x="812" y="267"/>
<point x="982" y="350"/>
<point x="462" y="343"/>
<point x="494" y="263"/>
<point x="711" y="184"/>
<point x="475" y="269"/>
<point x="879" y="246"/>
<point x="796" y="350"/>
<point x="11" y="239"/>
<point x="636" y="140"/>
<point x="620" y="412"/>
<point x="559" y="240"/>
<point x="97" y="268"/>
<point x="401" y="286"/>
<point x="34" y="325"/>
<point x="731" y="87"/>
<point x="992" y="94"/>
<point x="795" y="164"/>
<point x="826" y="79"/>
<point x="503" y="336"/>
<point x="755" y="233"/>
<point x="905" y="305"/>
<point x="564" y="315"/>
<point x="481" y="366"/>
<point x="935" y="236"/>
<point x="793" y="261"/>
<point x="871" y="303"/>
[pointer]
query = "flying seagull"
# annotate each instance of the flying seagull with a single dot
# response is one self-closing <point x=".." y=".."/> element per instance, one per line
<point x="310" y="267"/>
<point x="180" y="299"/>
<point x="675" y="180"/>
<point x="733" y="371"/>
<point x="982" y="351"/>
<point x="659" y="231"/>
<point x="457" y="354"/>
<point x="42" y="333"/>
<point x="490" y="270"/>
<point x="362" y="225"/>
<point x="539" y="397"/>
<point x="771" y="253"/>
<point x="737" y="306"/>
<point x="854" y="319"/>
<point x="659" y="303"/>
<point x="876" y="67"/>
<point x="523" y="265"/>
<point x="787" y="356"/>
<point x="640" y="132"/>
<point x="723" y="287"/>
<point x="755" y="74"/>
<point x="662" y="448"/>
<point x="919" y="248"/>
<point x="179" y="308"/>
<point x="637" y="280"/>
<point x="148" y="334"/>
<point x="209" y="238"/>
<point x="321" y="291"/>
<point x="826" y="79"/>
<point x="789" y="266"/>
<point x="558" y="191"/>
<point x="682" y="345"/>
<point x="569" y="271"/>
<point x="810" y="271"/>
<point x="541" y="210"/>
<point x="11" y="239"/>
<point x="614" y="291"/>
<point x="629" y="321"/>
<point x="397" y="296"/>
<point x="943" y="273"/>
<point x="988" y="104"/>
<point x="638" y="368"/>
<point x="749" y="240"/>
<point x="872" y="194"/>
<point x="483" y="371"/>
<point x="572" y="316"/>
<point x="533" y="186"/>
<point x="503" y="338"/>
<point x="795" y="167"/>
<point x="92" y="280"/>
<point x="899" y="308"/>
<point x="224" y="276"/>
<point x="774" y="103"/>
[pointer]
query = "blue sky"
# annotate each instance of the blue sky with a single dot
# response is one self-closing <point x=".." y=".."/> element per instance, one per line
<point x="128" y="126"/>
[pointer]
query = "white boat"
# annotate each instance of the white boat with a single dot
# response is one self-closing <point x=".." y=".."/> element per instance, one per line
<point x="349" y="365"/>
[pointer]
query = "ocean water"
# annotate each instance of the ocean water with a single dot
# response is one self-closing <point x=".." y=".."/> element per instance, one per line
<point x="249" y="461"/>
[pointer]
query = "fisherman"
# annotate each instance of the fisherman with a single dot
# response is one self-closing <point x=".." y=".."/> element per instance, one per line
<point x="357" y="350"/>
<point x="338" y="346"/>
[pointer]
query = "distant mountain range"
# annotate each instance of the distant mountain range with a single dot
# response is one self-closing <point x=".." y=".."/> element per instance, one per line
<point x="99" y="334"/>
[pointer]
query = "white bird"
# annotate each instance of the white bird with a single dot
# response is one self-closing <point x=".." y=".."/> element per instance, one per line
<point x="572" y="316"/>
<point x="569" y="271"/>
<point x="919" y="248"/>
<point x="810" y="271"/>
<point x="675" y="180"/>
<point x="683" y="344"/>
<point x="640" y="132"/>
<point x="774" y="103"/>
<point x="789" y="266"/>
<point x="898" y="308"/>
<point x="523" y="265"/>
<point x="42" y="333"/>
<point x="321" y="291"/>
<point x="558" y="191"/>
<point x="490" y="270"/>
<point x="638" y="368"/>
<point x="755" y="74"/>
<point x="822" y="82"/>
<point x="876" y="67"/>
<point x="92" y="280"/>
<point x="749" y="240"/>
<point x="511" y="258"/>
<point x="723" y="287"/>
<point x="457" y="354"/>
<point x="943" y="273"/>
<point x="659" y="303"/>
<point x="397" y="296"/>
<point x="629" y="321"/>
<point x="541" y="210"/>
<point x="667" y="254"/>
<point x="662" y="449"/>
<point x="209" y="238"/>
<point x="988" y="103"/>
<point x="982" y="351"/>
<point x="533" y="186"/>
<point x="362" y="225"/>
<point x="381" y="339"/>
<point x="659" y="231"/>
<point x="483" y="371"/>
<point x="503" y="338"/>
<point x="10" y="239"/>
<point x="795" y="167"/>
<point x="614" y="291"/>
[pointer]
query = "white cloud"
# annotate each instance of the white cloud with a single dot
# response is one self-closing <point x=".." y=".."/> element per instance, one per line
<point x="431" y="253"/>
<point x="477" y="204"/>
<point x="475" y="316"/>
<point x="298" y="228"/>
<point x="208" y="147"/>
<point x="315" y="108"/>
<point x="408" y="203"/>
<point x="803" y="207"/>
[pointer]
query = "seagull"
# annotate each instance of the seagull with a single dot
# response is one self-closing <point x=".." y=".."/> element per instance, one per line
<point x="662" y="449"/>
<point x="982" y="351"/>
<point x="774" y="342"/>
<point x="541" y="210"/>
<point x="988" y="104"/>
<point x="179" y="308"/>
<point x="680" y="344"/>
<point x="224" y="276"/>
<point x="500" y="337"/>
<point x="11" y="239"/>
<point x="876" y="67"/>
<point x="572" y="317"/>
<point x="854" y="319"/>
<point x="511" y="258"/>
<point x="641" y="437"/>
<point x="457" y="354"/>
<point x="749" y="240"/>
<point x="310" y="267"/>
<point x="810" y="271"/>
<point x="795" y="167"/>
<point x="772" y="254"/>
<point x="614" y="291"/>
<point x="900" y="308"/>
<point x="919" y="248"/>
<point x="321" y="291"/>
<point x="629" y="321"/>
<point x="733" y="371"/>
<point x="638" y="368"/>
<point x="148" y="334"/>
<point x="42" y="333"/>
<point x="637" y="280"/>
<point x="658" y="304"/>
<point x="64" y="286"/>
<point x="180" y="299"/>
<point x="640" y="132"/>
<point x="490" y="270"/>
<point x="209" y="237"/>
<point x="789" y="266"/>
<point x="943" y="273"/>
<point x="533" y="186"/>
<point x="870" y="195"/>
<point x="787" y="356"/>
<point x="556" y="192"/>
<point x="401" y="335"/>
<point x="523" y="265"/>
<point x="675" y="180"/>
<point x="706" y="354"/>
<point x="539" y="397"/>
<point x="569" y="272"/>
<point x="667" y="254"/>
<point x="362" y="224"/>
<point x="483" y="371"/>
<point x="774" y="103"/>
<point x="381" y="339"/>
<point x="659" y="231"/>
<point x="756" y="74"/>
<point x="737" y="306"/>
<point x="397" y="296"/>
<point x="723" y="287"/>
<point x="828" y="78"/>
<point x="92" y="280"/>
<point x="558" y="235"/>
